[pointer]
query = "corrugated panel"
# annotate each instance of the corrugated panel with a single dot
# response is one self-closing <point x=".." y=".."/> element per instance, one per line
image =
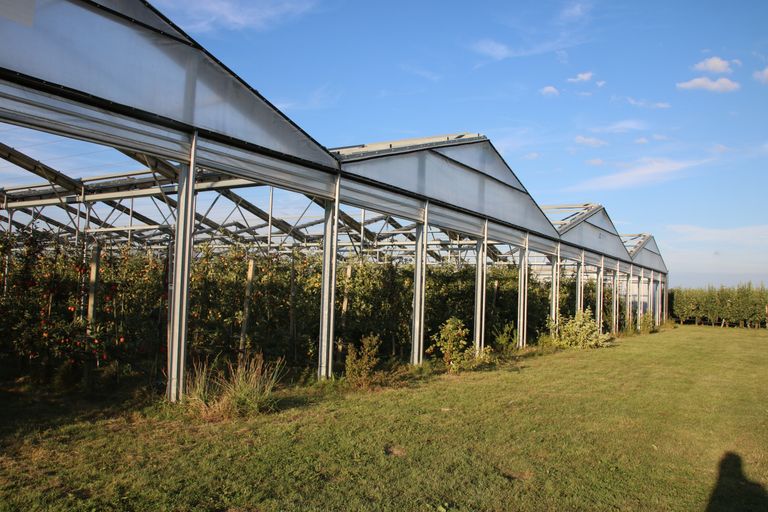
<point x="263" y="169"/>
<point x="377" y="199"/>
<point x="505" y="234"/>
<point x="34" y="109"/>
<point x="457" y="221"/>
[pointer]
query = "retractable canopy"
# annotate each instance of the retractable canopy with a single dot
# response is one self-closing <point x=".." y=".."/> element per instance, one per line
<point x="127" y="56"/>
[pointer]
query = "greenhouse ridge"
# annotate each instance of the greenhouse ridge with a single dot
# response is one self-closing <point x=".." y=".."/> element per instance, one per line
<point x="210" y="151"/>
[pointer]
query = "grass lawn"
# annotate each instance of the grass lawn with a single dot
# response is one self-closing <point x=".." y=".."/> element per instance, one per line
<point x="642" y="425"/>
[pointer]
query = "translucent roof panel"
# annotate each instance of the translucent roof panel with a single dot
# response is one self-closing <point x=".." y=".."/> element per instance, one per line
<point x="107" y="56"/>
<point x="646" y="253"/>
<point x="451" y="180"/>
<point x="589" y="226"/>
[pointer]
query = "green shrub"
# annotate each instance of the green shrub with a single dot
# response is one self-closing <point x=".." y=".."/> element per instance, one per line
<point x="580" y="331"/>
<point x="361" y="364"/>
<point x="458" y="354"/>
<point x="504" y="339"/>
<point x="646" y="324"/>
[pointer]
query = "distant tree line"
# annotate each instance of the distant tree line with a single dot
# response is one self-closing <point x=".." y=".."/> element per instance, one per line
<point x="742" y="306"/>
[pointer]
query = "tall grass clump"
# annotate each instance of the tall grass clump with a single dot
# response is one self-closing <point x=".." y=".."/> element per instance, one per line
<point x="235" y="391"/>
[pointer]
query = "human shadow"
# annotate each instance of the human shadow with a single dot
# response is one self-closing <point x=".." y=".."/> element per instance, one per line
<point x="733" y="491"/>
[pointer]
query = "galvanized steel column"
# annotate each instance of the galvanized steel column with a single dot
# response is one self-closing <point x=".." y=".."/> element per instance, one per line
<point x="178" y="309"/>
<point x="599" y="299"/>
<point x="651" y="299"/>
<point x="554" y="302"/>
<point x="328" y="286"/>
<point x="480" y="284"/>
<point x="580" y="284"/>
<point x="615" y="301"/>
<point x="522" y="296"/>
<point x="419" y="289"/>
<point x="628" y="300"/>
<point x="639" y="297"/>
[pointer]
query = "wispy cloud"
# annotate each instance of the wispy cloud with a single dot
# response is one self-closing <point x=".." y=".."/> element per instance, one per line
<point x="761" y="75"/>
<point x="648" y="104"/>
<point x="707" y="84"/>
<point x="320" y="98"/>
<point x="643" y="172"/>
<point x="210" y="15"/>
<point x="421" y="72"/>
<point x="624" y="126"/>
<point x="641" y="140"/>
<point x="581" y="77"/>
<point x="573" y="12"/>
<point x="549" y="90"/>
<point x="532" y="156"/>
<point x="596" y="161"/>
<point x="592" y="142"/>
<point x="600" y="83"/>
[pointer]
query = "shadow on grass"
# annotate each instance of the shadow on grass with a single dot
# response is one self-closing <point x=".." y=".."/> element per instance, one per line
<point x="37" y="410"/>
<point x="733" y="491"/>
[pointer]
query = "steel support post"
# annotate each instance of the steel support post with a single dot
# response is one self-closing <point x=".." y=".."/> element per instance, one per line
<point x="599" y="293"/>
<point x="628" y="300"/>
<point x="480" y="284"/>
<point x="615" y="302"/>
<point x="554" y="298"/>
<point x="651" y="300"/>
<point x="419" y="289"/>
<point x="522" y="297"/>
<point x="580" y="284"/>
<point x="328" y="286"/>
<point x="639" y="297"/>
<point x="182" y="263"/>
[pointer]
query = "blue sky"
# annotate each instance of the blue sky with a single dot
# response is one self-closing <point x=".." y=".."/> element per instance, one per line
<point x="658" y="110"/>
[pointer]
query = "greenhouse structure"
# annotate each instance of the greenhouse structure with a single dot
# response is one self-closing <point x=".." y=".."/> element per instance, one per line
<point x="206" y="161"/>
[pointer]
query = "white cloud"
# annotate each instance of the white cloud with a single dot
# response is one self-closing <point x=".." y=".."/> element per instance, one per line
<point x="641" y="140"/>
<point x="574" y="12"/>
<point x="318" y="99"/>
<point x="706" y="83"/>
<point x="584" y="93"/>
<point x="592" y="142"/>
<point x="532" y="156"/>
<point x="422" y="72"/>
<point x="761" y="76"/>
<point x="642" y="172"/>
<point x="714" y="65"/>
<point x="562" y="56"/>
<point x="647" y="104"/>
<point x="627" y="125"/>
<point x="720" y="148"/>
<point x="596" y="161"/>
<point x="492" y="49"/>
<point x="549" y="90"/>
<point x="600" y="83"/>
<point x="209" y="15"/>
<point x="582" y="77"/>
